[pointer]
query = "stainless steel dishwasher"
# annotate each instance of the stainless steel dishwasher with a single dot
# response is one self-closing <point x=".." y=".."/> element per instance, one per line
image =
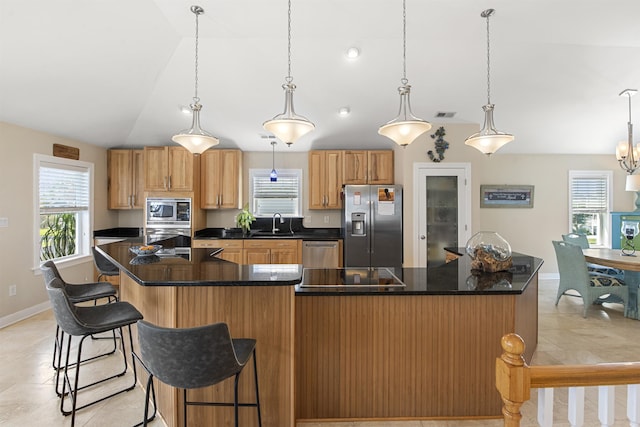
<point x="320" y="254"/>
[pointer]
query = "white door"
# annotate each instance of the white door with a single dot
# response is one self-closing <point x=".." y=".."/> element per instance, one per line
<point x="442" y="209"/>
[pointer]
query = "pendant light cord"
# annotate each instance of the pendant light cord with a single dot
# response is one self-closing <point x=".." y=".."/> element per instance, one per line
<point x="404" y="43"/>
<point x="488" y="62"/>
<point x="197" y="11"/>
<point x="289" y="79"/>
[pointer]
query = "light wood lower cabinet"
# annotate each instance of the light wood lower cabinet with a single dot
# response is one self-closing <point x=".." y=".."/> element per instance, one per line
<point x="232" y="248"/>
<point x="255" y="251"/>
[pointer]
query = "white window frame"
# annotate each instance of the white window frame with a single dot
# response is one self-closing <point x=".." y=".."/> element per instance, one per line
<point x="84" y="241"/>
<point x="605" y="236"/>
<point x="281" y="173"/>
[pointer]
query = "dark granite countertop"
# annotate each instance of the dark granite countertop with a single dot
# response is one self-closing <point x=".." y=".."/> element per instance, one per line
<point x="176" y="266"/>
<point x="299" y="233"/>
<point x="453" y="278"/>
<point x="124" y="232"/>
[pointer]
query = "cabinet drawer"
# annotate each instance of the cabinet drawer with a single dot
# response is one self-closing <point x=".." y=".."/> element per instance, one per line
<point x="216" y="243"/>
<point x="271" y="244"/>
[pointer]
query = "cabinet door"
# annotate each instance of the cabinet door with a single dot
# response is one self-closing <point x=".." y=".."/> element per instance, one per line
<point x="284" y="256"/>
<point x="230" y="179"/>
<point x="209" y="179"/>
<point x="119" y="180"/>
<point x="180" y="169"/>
<point x="333" y="180"/>
<point x="380" y="167"/>
<point x="256" y="256"/>
<point x="156" y="169"/>
<point x="355" y="167"/>
<point x="137" y="178"/>
<point x="316" y="179"/>
<point x="232" y="255"/>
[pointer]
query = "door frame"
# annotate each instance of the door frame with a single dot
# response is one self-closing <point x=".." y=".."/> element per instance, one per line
<point x="464" y="204"/>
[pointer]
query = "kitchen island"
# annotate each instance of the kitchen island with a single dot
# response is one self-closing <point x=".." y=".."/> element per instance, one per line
<point x="423" y="349"/>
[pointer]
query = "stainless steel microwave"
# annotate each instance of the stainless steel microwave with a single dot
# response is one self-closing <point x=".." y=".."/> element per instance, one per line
<point x="168" y="212"/>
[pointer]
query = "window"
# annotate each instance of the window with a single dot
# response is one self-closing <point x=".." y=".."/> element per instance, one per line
<point x="64" y="206"/>
<point x="282" y="196"/>
<point x="590" y="204"/>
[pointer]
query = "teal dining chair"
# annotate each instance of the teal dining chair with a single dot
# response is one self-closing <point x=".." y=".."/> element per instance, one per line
<point x="582" y="241"/>
<point x="574" y="275"/>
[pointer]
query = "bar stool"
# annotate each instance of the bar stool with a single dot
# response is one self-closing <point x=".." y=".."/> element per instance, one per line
<point x="84" y="322"/>
<point x="77" y="293"/>
<point x="193" y="358"/>
<point x="103" y="265"/>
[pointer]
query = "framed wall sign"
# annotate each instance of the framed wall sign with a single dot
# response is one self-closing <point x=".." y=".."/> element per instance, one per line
<point x="506" y="196"/>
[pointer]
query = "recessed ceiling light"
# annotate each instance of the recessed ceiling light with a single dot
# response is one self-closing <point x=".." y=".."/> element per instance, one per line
<point x="185" y="109"/>
<point x="353" y="53"/>
<point x="344" y="111"/>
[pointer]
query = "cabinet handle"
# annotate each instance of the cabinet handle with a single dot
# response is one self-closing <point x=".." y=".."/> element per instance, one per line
<point x="220" y="202"/>
<point x="169" y="182"/>
<point x="164" y="181"/>
<point x="130" y="201"/>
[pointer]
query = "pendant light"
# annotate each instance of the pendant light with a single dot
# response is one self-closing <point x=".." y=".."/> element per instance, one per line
<point x="626" y="153"/>
<point x="273" y="176"/>
<point x="195" y="139"/>
<point x="405" y="128"/>
<point x="289" y="126"/>
<point x="488" y="140"/>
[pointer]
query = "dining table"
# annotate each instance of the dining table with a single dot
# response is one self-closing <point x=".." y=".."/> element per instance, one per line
<point x="629" y="264"/>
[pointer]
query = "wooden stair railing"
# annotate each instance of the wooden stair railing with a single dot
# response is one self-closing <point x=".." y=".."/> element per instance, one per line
<point x="515" y="379"/>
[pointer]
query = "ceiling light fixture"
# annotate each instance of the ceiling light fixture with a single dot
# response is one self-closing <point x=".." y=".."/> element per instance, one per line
<point x="344" y="111"/>
<point x="626" y="153"/>
<point x="353" y="53"/>
<point x="195" y="139"/>
<point x="405" y="128"/>
<point x="289" y="126"/>
<point x="273" y="176"/>
<point x="488" y="140"/>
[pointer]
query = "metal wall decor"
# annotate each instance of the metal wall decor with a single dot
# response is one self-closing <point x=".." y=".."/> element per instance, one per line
<point x="441" y="145"/>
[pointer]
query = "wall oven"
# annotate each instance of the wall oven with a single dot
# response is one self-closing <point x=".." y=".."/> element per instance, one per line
<point x="168" y="212"/>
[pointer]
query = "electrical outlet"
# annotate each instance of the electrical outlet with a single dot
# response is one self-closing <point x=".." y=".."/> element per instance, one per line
<point x="12" y="290"/>
<point x="307" y="219"/>
<point x="326" y="219"/>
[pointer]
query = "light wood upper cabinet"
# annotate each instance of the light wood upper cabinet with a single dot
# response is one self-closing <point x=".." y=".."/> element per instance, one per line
<point x="125" y="179"/>
<point x="368" y="167"/>
<point x="168" y="169"/>
<point x="221" y="179"/>
<point x="325" y="179"/>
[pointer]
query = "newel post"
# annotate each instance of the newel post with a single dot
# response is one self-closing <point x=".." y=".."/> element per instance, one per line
<point x="512" y="379"/>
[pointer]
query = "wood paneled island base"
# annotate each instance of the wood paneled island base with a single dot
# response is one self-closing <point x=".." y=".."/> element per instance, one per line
<point x="261" y="312"/>
<point x="400" y="356"/>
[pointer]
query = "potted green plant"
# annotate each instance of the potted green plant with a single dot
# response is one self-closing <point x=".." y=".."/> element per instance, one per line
<point x="244" y="219"/>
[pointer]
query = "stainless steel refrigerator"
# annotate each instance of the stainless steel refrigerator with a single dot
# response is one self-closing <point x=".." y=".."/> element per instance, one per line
<point x="372" y="226"/>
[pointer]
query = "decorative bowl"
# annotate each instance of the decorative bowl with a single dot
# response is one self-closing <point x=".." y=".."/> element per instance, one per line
<point x="145" y="250"/>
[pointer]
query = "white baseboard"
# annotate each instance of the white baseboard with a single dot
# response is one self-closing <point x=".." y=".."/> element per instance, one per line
<point x="23" y="314"/>
<point x="549" y="276"/>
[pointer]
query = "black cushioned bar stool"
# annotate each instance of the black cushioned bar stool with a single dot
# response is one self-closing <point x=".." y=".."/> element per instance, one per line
<point x="193" y="358"/>
<point x="83" y="322"/>
<point x="77" y="293"/>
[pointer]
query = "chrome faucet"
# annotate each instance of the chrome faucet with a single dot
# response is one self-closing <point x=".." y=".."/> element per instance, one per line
<point x="274" y="230"/>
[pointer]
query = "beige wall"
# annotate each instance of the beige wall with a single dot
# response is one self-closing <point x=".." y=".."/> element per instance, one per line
<point x="16" y="203"/>
<point x="527" y="230"/>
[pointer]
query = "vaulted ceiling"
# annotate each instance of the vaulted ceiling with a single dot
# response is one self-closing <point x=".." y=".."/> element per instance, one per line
<point x="115" y="73"/>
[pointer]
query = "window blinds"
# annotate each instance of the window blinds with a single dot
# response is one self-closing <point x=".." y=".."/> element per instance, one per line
<point x="63" y="189"/>
<point x="280" y="196"/>
<point x="589" y="195"/>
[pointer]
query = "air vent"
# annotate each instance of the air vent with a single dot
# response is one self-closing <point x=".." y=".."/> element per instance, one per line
<point x="447" y="114"/>
<point x="265" y="136"/>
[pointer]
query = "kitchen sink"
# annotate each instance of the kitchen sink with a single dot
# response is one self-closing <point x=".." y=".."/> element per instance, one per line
<point x="270" y="234"/>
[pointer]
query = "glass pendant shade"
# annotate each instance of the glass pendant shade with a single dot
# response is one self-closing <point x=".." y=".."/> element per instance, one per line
<point x="273" y="176"/>
<point x="195" y="139"/>
<point x="488" y="140"/>
<point x="405" y="128"/>
<point x="622" y="151"/>
<point x="288" y="127"/>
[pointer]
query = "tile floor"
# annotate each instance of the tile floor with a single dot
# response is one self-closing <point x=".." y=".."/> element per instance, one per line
<point x="565" y="337"/>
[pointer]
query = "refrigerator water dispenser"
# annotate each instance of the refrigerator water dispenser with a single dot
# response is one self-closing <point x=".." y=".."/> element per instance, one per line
<point x="358" y="224"/>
